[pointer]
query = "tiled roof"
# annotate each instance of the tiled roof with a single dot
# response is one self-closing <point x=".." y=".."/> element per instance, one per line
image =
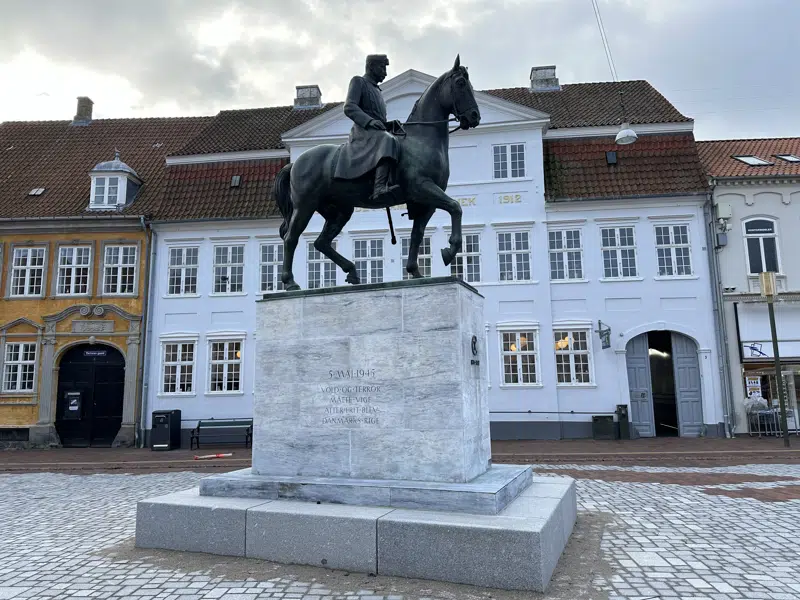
<point x="58" y="157"/>
<point x="717" y="157"/>
<point x="576" y="169"/>
<point x="203" y="191"/>
<point x="251" y="129"/>
<point x="596" y="104"/>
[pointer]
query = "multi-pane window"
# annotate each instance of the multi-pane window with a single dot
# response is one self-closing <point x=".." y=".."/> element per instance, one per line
<point x="509" y="158"/>
<point x="73" y="269"/>
<point x="368" y="257"/>
<point x="673" y="250"/>
<point x="119" y="270"/>
<point x="619" y="252"/>
<point x="519" y="350"/>
<point x="178" y="368"/>
<point x="423" y="258"/>
<point x="27" y="272"/>
<point x="271" y="265"/>
<point x="514" y="254"/>
<point x="321" y="269"/>
<point x="566" y="254"/>
<point x="106" y="191"/>
<point x="183" y="271"/>
<point x="467" y="264"/>
<point x="226" y="367"/>
<point x="762" y="246"/>
<point x="19" y="367"/>
<point x="572" y="356"/>
<point x="228" y="269"/>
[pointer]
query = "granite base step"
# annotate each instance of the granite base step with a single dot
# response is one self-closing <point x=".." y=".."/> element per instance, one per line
<point x="517" y="549"/>
<point x="487" y="494"/>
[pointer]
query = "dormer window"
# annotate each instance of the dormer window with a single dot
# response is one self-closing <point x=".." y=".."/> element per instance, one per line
<point x="106" y="191"/>
<point x="114" y="185"/>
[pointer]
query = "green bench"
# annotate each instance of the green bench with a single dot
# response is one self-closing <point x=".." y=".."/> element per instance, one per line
<point x="218" y="428"/>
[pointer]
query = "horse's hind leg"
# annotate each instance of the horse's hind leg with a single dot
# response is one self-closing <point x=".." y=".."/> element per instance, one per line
<point x="300" y="217"/>
<point x="417" y="235"/>
<point x="334" y="223"/>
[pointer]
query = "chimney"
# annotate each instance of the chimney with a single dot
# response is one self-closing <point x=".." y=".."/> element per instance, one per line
<point x="543" y="79"/>
<point x="83" y="116"/>
<point x="308" y="96"/>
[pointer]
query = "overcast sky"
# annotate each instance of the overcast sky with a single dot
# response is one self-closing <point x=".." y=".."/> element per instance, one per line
<point x="732" y="65"/>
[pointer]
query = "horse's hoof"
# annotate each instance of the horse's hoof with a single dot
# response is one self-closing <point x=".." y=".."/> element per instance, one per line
<point x="447" y="256"/>
<point x="353" y="278"/>
<point x="292" y="287"/>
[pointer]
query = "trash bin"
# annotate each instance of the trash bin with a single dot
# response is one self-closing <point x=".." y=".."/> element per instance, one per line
<point x="166" y="431"/>
<point x="603" y="427"/>
<point x="623" y="421"/>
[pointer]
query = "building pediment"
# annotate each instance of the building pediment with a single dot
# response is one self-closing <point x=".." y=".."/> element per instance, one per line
<point x="400" y="94"/>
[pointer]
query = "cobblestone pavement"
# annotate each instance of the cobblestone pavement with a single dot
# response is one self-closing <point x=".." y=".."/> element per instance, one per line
<point x="688" y="533"/>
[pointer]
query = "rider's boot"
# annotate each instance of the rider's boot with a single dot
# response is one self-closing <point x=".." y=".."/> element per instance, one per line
<point x="382" y="187"/>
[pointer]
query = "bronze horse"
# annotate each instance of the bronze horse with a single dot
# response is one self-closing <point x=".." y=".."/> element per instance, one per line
<point x="307" y="185"/>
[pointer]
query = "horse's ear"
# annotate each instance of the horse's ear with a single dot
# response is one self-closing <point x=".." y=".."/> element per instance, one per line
<point x="457" y="64"/>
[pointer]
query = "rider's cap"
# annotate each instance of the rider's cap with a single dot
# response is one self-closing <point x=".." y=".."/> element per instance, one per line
<point x="380" y="58"/>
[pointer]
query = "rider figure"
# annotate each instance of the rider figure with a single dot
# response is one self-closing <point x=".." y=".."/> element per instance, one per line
<point x="370" y="144"/>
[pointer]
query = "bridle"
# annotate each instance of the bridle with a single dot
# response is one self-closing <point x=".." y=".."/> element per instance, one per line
<point x="459" y="116"/>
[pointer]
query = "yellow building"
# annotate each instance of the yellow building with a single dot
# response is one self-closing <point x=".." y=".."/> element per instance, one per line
<point x="74" y="245"/>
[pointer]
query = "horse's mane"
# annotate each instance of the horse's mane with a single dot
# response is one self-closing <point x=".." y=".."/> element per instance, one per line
<point x="433" y="86"/>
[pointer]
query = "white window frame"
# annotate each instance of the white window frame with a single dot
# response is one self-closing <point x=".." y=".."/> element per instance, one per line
<point x="513" y="252"/>
<point x="468" y="256"/>
<point x="183" y="268"/>
<point x="58" y="269"/>
<point x="424" y="258"/>
<point x="225" y="338"/>
<point x="28" y="270"/>
<point x="180" y="341"/>
<point x="368" y="262"/>
<point x="760" y="238"/>
<point x="264" y="267"/>
<point x="570" y="328"/>
<point x="225" y="269"/>
<point x="616" y="258"/>
<point x="119" y="266"/>
<point x="101" y="200"/>
<point x="328" y="270"/>
<point x="519" y="328"/>
<point x="565" y="251"/>
<point x="671" y="247"/>
<point x="505" y="153"/>
<point x="20" y="364"/>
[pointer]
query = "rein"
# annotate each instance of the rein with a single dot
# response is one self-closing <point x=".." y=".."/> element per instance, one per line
<point x="436" y="123"/>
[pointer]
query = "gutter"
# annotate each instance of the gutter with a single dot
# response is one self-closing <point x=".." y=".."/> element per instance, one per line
<point x="631" y="197"/>
<point x="719" y="317"/>
<point x="145" y="352"/>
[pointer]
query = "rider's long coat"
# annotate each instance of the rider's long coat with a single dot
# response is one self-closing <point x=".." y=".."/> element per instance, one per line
<point x="366" y="146"/>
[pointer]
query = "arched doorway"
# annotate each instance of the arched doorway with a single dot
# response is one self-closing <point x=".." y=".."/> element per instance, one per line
<point x="665" y="387"/>
<point x="91" y="387"/>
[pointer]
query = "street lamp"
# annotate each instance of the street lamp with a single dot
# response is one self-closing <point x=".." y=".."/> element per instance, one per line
<point x="768" y="291"/>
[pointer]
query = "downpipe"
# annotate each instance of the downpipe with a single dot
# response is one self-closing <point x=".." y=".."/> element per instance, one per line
<point x="147" y="330"/>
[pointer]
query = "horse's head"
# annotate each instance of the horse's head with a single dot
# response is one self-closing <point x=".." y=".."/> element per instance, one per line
<point x="458" y="96"/>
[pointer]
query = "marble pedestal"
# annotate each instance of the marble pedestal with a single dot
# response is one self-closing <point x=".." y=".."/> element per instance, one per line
<point x="371" y="448"/>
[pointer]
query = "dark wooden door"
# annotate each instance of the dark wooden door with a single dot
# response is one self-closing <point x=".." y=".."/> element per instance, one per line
<point x="91" y="387"/>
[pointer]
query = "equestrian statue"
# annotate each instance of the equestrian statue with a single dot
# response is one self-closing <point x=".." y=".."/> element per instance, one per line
<point x="381" y="165"/>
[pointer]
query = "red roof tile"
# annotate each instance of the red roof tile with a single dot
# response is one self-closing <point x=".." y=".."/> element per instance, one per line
<point x="203" y="191"/>
<point x="58" y="157"/>
<point x="596" y="104"/>
<point x="251" y="129"/>
<point x="655" y="165"/>
<point x="718" y="161"/>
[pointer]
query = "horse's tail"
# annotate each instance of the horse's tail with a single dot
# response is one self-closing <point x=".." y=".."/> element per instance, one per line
<point x="283" y="197"/>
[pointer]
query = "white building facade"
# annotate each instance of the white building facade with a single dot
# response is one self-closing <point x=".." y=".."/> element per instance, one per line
<point x="555" y="274"/>
<point x="756" y="190"/>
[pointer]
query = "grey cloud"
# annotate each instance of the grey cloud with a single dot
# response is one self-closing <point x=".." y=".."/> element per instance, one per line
<point x="728" y="63"/>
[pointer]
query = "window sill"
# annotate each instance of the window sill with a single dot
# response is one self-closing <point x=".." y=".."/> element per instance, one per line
<point x="521" y="282"/>
<point x="118" y="295"/>
<point x="520" y="386"/>
<point x="31" y="297"/>
<point x="22" y="394"/>
<point x="68" y="296"/>
<point x="577" y="385"/>
<point x="560" y="281"/>
<point x="171" y="296"/>
<point x="176" y="395"/>
<point x="224" y="393"/>
<point x="674" y="277"/>
<point x="619" y="279"/>
<point x="223" y="294"/>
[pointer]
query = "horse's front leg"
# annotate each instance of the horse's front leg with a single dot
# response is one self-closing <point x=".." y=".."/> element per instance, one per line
<point x="417" y="235"/>
<point x="432" y="195"/>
